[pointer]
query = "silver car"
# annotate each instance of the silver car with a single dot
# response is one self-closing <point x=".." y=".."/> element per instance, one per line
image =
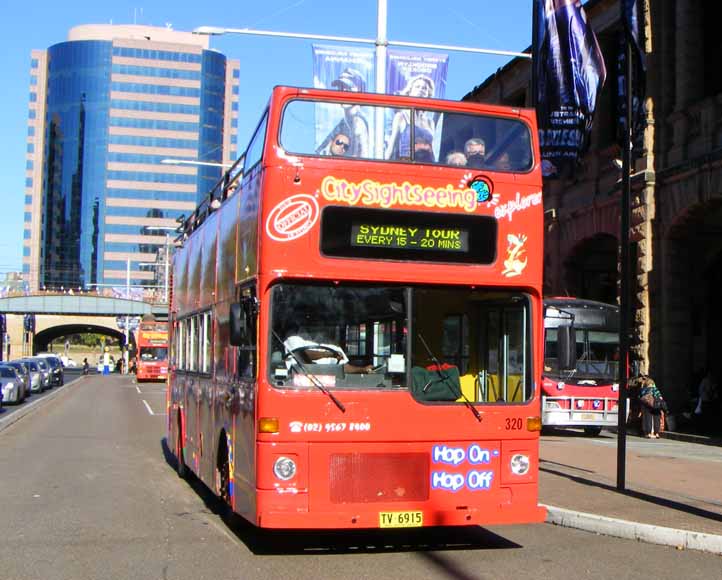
<point x="37" y="383"/>
<point x="23" y="373"/>
<point x="11" y="385"/>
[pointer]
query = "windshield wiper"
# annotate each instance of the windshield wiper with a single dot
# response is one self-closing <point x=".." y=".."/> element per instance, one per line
<point x="444" y="378"/>
<point x="310" y="376"/>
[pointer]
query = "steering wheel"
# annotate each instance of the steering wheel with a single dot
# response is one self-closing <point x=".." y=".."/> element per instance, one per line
<point x="322" y="352"/>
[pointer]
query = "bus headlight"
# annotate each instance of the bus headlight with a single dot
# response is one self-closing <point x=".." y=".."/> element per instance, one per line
<point x="284" y="468"/>
<point x="519" y="464"/>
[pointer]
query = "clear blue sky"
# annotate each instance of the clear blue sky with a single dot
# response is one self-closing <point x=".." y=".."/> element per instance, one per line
<point x="265" y="61"/>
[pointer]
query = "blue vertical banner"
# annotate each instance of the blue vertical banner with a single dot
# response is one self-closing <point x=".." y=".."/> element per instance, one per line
<point x="570" y="73"/>
<point x="343" y="69"/>
<point x="413" y="74"/>
<point x="631" y="35"/>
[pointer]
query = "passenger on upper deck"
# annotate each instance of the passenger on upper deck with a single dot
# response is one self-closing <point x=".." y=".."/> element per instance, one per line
<point x="423" y="148"/>
<point x="456" y="158"/>
<point x="475" y="150"/>
<point x="503" y="163"/>
<point x="340" y="145"/>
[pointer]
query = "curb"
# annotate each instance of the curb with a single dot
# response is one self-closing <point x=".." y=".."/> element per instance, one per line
<point x="28" y="408"/>
<point x="648" y="533"/>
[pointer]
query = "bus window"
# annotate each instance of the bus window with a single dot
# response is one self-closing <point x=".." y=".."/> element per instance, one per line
<point x="349" y="336"/>
<point x="255" y="147"/>
<point x="356" y="337"/>
<point x="350" y="130"/>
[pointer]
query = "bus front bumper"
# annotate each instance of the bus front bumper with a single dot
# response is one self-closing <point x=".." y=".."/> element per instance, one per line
<point x="290" y="511"/>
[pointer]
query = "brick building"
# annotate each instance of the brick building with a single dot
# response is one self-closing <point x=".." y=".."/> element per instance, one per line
<point x="676" y="229"/>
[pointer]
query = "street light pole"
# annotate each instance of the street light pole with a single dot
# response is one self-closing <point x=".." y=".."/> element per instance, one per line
<point x="381" y="42"/>
<point x="171" y="161"/>
<point x="127" y="319"/>
<point x="167" y="264"/>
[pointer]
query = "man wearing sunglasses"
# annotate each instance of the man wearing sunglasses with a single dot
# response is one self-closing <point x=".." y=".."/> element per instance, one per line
<point x="339" y="145"/>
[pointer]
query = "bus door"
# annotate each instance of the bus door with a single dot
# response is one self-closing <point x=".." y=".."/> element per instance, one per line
<point x="503" y="331"/>
<point x="239" y="398"/>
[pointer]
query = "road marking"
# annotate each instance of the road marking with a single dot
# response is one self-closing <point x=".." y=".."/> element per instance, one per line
<point x="137" y="388"/>
<point x="150" y="411"/>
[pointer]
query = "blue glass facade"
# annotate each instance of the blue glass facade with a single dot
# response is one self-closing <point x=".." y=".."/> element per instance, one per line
<point x="76" y="143"/>
<point x="210" y="147"/>
<point x="89" y="209"/>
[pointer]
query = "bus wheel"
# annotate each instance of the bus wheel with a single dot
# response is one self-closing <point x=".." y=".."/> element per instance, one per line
<point x="224" y="480"/>
<point x="592" y="431"/>
<point x="180" y="464"/>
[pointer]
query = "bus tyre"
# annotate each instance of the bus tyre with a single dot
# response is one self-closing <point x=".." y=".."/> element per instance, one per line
<point x="592" y="431"/>
<point x="180" y="464"/>
<point x="224" y="483"/>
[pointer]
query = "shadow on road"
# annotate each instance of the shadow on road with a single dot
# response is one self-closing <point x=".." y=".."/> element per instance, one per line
<point x="278" y="542"/>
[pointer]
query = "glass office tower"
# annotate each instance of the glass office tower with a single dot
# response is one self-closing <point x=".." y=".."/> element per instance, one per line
<point x="105" y="108"/>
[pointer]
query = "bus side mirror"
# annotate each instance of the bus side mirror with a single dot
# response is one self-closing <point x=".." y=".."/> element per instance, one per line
<point x="239" y="330"/>
<point x="567" y="348"/>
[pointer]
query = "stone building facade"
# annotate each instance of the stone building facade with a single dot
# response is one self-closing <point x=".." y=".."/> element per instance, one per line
<point x="676" y="223"/>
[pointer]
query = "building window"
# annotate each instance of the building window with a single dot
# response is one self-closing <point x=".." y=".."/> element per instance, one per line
<point x="711" y="46"/>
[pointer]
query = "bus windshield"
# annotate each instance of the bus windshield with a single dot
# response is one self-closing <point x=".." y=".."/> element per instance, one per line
<point x="372" y="132"/>
<point x="597" y="354"/>
<point x="153" y="353"/>
<point x="357" y="337"/>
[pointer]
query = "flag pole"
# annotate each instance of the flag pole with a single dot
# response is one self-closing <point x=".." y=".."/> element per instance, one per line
<point x="534" y="51"/>
<point x="624" y="266"/>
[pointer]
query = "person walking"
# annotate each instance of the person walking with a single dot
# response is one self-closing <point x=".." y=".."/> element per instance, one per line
<point x="106" y="361"/>
<point x="652" y="406"/>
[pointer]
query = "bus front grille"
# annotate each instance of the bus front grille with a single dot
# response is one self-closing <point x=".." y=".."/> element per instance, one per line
<point x="378" y="477"/>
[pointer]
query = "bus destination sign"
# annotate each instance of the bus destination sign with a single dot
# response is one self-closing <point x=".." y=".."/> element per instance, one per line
<point x="408" y="237"/>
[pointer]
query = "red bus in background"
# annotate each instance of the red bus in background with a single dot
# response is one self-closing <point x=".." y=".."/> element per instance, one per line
<point x="356" y="342"/>
<point x="151" y="359"/>
<point x="580" y="386"/>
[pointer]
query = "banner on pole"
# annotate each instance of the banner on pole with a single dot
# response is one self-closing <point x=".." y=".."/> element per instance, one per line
<point x="414" y="74"/>
<point x="570" y="74"/>
<point x="631" y="34"/>
<point x="344" y="69"/>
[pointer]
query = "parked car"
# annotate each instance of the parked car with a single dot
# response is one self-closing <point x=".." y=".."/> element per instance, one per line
<point x="12" y="385"/>
<point x="23" y="373"/>
<point x="45" y="371"/>
<point x="37" y="384"/>
<point x="56" y="367"/>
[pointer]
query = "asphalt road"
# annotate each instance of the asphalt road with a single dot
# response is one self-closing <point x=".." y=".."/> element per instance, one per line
<point x="88" y="492"/>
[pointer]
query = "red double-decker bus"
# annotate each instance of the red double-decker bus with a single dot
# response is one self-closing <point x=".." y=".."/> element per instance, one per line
<point x="151" y="359"/>
<point x="356" y="321"/>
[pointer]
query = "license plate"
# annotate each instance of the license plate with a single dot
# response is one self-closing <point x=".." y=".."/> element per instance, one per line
<point x="588" y="416"/>
<point x="401" y="519"/>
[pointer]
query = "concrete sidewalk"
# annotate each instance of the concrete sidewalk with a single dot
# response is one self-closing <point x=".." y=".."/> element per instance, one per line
<point x="673" y="488"/>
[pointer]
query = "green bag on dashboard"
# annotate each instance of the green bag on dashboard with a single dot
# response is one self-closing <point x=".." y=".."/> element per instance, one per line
<point x="441" y="385"/>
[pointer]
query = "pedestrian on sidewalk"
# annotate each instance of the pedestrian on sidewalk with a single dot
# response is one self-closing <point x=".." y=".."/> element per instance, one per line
<point x="653" y="407"/>
<point x="708" y="402"/>
<point x="106" y="361"/>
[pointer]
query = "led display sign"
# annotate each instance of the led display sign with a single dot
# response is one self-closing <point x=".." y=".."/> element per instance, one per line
<point x="409" y="237"/>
